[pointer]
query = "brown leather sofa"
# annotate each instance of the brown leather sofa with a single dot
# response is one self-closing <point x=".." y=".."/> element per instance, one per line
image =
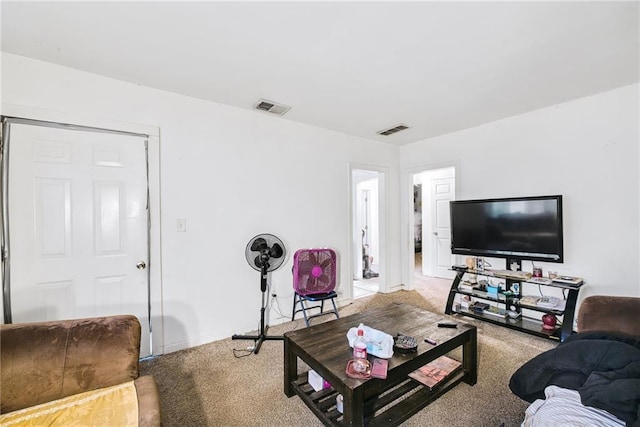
<point x="610" y="313"/>
<point x="45" y="361"/>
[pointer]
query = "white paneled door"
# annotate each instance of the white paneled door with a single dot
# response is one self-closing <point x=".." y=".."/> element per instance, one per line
<point x="442" y="192"/>
<point x="78" y="225"/>
<point x="438" y="190"/>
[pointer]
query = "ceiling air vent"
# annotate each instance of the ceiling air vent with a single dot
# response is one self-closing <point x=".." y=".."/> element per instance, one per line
<point x="392" y="130"/>
<point x="272" y="107"/>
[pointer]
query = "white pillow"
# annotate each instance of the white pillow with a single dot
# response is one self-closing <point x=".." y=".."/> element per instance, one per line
<point x="562" y="407"/>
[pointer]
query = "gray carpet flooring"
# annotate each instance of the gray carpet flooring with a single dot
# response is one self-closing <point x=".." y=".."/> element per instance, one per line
<point x="210" y="386"/>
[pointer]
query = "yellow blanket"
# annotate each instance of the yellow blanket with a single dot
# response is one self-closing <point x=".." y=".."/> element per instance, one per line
<point x="111" y="406"/>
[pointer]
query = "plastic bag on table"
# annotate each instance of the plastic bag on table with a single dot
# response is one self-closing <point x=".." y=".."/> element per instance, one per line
<point x="379" y="344"/>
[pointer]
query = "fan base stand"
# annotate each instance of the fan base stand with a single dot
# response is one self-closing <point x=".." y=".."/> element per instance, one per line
<point x="262" y="336"/>
<point x="259" y="339"/>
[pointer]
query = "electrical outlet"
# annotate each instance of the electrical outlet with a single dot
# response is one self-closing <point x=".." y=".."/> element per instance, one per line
<point x="181" y="225"/>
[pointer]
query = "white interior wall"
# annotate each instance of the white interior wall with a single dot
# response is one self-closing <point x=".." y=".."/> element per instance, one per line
<point x="586" y="150"/>
<point x="232" y="174"/>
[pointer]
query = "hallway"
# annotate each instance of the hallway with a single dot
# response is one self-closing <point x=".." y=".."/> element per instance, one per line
<point x="426" y="285"/>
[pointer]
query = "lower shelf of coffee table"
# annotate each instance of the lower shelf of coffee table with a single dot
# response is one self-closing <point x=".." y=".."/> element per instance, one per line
<point x="390" y="408"/>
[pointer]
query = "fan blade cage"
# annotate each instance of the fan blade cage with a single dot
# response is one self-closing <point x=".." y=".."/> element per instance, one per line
<point x="314" y="271"/>
<point x="265" y="251"/>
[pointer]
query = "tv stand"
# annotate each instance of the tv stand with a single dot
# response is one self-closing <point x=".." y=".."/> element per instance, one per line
<point x="511" y="297"/>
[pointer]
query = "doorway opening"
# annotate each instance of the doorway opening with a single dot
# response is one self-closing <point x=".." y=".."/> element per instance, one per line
<point x="433" y="189"/>
<point x="367" y="186"/>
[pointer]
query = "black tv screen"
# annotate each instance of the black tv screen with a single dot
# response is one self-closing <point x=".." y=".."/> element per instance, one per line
<point x="524" y="228"/>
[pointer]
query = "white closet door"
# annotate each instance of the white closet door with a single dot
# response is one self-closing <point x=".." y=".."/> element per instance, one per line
<point x="78" y="225"/>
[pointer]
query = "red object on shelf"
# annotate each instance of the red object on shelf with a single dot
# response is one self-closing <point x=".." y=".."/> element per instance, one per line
<point x="549" y="321"/>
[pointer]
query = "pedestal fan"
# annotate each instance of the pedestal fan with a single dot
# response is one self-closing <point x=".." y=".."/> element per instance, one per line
<point x="265" y="253"/>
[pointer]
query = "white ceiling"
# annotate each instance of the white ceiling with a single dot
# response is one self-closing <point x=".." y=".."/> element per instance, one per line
<point x="353" y="67"/>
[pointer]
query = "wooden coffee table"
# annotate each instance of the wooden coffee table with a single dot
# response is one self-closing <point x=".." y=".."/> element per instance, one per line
<point x="325" y="349"/>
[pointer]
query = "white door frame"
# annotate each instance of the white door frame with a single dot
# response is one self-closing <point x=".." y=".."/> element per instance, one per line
<point x="406" y="211"/>
<point x="382" y="225"/>
<point x="153" y="170"/>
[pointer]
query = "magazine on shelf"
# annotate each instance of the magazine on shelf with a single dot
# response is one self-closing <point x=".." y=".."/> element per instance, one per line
<point x="552" y="303"/>
<point x="548" y="302"/>
<point x="568" y="280"/>
<point x="496" y="312"/>
<point x="529" y="300"/>
<point x="436" y="371"/>
<point x="467" y="286"/>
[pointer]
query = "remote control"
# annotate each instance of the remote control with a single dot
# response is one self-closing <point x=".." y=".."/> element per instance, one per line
<point x="447" y="325"/>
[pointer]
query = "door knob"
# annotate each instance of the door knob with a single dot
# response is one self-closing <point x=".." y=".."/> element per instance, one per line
<point x="141" y="265"/>
<point x="435" y="233"/>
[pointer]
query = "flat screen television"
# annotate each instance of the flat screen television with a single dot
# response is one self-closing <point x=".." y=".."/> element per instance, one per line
<point x="517" y="228"/>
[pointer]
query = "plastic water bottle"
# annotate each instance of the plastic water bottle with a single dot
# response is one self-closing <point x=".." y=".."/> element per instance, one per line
<point x="360" y="362"/>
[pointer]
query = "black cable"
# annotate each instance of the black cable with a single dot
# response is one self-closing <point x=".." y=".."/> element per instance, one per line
<point x="237" y="350"/>
<point x="281" y="314"/>
<point x="278" y="310"/>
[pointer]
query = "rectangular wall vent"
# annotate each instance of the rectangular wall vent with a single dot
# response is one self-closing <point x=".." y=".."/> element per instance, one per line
<point x="272" y="107"/>
<point x="391" y="131"/>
